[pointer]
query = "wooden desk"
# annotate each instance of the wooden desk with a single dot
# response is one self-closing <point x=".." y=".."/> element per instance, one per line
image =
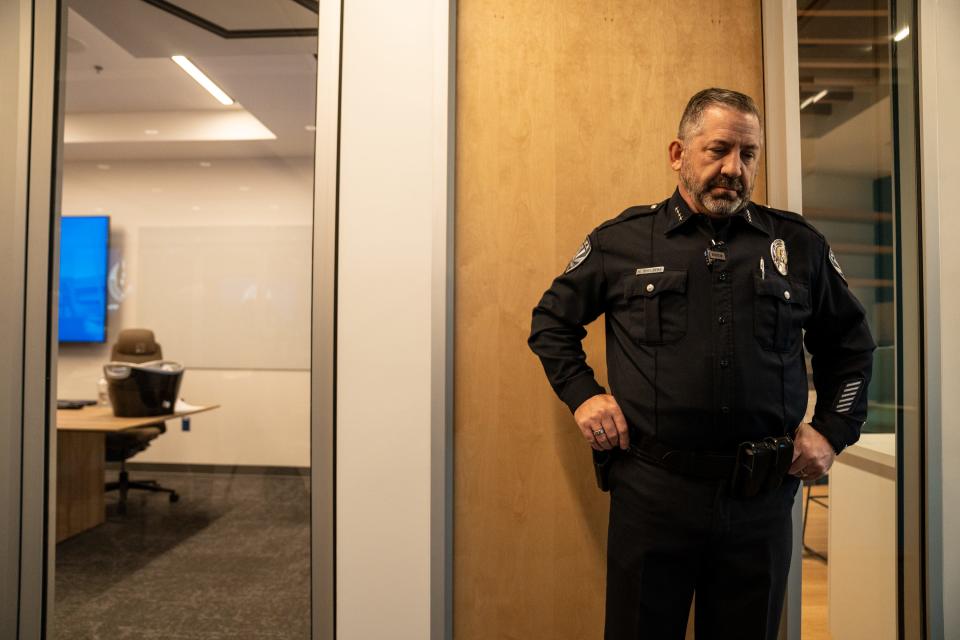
<point x="81" y="462"/>
<point x="862" y="539"/>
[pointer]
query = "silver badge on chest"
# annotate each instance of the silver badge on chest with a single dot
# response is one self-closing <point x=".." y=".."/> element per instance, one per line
<point x="778" y="253"/>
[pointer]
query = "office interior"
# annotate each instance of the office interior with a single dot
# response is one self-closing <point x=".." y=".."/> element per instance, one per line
<point x="344" y="259"/>
<point x="210" y="204"/>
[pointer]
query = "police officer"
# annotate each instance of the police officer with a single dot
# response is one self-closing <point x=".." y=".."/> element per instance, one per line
<point x="708" y="300"/>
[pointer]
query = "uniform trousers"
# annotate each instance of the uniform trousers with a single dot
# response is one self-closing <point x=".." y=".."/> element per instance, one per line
<point x="671" y="536"/>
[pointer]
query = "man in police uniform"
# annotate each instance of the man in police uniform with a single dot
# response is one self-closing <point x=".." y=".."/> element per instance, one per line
<point x="706" y="297"/>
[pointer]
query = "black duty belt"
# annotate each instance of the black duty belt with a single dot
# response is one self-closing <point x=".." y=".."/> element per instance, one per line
<point x="706" y="465"/>
<point x="757" y="467"/>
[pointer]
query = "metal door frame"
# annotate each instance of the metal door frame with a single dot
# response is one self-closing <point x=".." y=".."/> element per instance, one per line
<point x="781" y="93"/>
<point x="30" y="71"/>
<point x="323" y="330"/>
<point x="919" y="601"/>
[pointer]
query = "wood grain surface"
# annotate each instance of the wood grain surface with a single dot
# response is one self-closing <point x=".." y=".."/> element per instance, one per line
<point x="565" y="109"/>
<point x="815" y="623"/>
<point x="102" y="418"/>
<point x="80" y="479"/>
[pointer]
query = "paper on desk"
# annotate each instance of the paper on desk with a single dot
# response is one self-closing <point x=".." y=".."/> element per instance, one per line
<point x="182" y="406"/>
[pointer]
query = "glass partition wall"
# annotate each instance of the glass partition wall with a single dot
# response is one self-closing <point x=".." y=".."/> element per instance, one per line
<point x="859" y="132"/>
<point x="189" y="126"/>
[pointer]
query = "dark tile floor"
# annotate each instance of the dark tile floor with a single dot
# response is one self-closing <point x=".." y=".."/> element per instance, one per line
<point x="230" y="560"/>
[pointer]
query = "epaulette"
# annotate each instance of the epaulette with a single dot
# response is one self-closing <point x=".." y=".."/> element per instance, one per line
<point x="790" y="216"/>
<point x="634" y="212"/>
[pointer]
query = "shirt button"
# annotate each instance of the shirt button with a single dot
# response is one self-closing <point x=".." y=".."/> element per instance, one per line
<point x="725" y="410"/>
<point x="786" y="295"/>
<point x="723" y="277"/>
<point x="650" y="287"/>
<point x="724" y="363"/>
<point x="722" y="319"/>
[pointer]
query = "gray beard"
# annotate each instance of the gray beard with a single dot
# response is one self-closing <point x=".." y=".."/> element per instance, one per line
<point x="701" y="193"/>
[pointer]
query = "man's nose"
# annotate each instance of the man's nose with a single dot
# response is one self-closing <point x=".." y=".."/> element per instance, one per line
<point x="732" y="167"/>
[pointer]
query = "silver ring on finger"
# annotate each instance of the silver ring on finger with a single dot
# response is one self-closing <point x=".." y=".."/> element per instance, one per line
<point x="600" y="432"/>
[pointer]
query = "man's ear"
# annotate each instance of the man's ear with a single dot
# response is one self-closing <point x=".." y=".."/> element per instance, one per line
<point x="676" y="153"/>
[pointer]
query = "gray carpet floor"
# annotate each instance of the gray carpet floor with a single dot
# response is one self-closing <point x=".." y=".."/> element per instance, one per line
<point x="230" y="560"/>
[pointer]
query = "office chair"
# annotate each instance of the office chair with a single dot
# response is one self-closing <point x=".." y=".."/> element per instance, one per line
<point x="135" y="346"/>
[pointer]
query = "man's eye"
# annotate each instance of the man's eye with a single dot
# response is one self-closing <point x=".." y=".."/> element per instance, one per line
<point x="749" y="155"/>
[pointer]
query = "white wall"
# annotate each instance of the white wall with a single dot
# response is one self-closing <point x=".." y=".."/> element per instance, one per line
<point x="393" y="178"/>
<point x="843" y="151"/>
<point x="940" y="104"/>
<point x="948" y="87"/>
<point x="264" y="414"/>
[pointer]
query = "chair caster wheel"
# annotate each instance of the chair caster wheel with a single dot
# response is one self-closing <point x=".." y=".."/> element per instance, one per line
<point x="174" y="497"/>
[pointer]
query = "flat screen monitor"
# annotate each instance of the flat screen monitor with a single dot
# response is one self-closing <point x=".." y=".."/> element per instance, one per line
<point x="84" y="248"/>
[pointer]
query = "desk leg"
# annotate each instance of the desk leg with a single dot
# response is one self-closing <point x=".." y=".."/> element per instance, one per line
<point x="80" y="479"/>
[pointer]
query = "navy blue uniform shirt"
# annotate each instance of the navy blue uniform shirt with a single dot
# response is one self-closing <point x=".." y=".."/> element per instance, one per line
<point x="704" y="356"/>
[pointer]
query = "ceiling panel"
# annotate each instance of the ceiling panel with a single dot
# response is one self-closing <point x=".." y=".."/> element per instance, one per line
<point x="146" y="31"/>
<point x="252" y="14"/>
<point x="276" y="85"/>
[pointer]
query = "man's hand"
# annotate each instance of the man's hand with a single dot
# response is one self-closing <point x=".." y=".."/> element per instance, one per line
<point x="812" y="454"/>
<point x="602" y="423"/>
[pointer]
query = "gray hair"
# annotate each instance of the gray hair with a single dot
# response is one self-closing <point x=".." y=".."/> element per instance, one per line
<point x="713" y="97"/>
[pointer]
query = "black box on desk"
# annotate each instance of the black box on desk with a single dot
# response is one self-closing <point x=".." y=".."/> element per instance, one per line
<point x="148" y="389"/>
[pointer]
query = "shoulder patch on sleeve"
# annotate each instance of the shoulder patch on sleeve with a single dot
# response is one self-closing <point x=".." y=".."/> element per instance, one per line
<point x="847" y="395"/>
<point x="836" y="265"/>
<point x="580" y="256"/>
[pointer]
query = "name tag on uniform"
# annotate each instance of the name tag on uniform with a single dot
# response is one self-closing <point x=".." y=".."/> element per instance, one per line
<point x="715" y="256"/>
<point x="645" y="271"/>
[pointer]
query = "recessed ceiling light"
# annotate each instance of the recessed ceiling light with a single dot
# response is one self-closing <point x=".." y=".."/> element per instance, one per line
<point x="156" y="189"/>
<point x="103" y="167"/>
<point x="244" y="188"/>
<point x="310" y="127"/>
<point x="151" y="132"/>
<point x="204" y="164"/>
<point x="902" y="34"/>
<point x="813" y="99"/>
<point x="195" y="208"/>
<point x="203" y="80"/>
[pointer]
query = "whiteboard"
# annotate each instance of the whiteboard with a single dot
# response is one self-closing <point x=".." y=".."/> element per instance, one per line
<point x="227" y="297"/>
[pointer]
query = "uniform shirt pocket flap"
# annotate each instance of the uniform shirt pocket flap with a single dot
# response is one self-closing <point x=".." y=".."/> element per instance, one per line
<point x="783" y="290"/>
<point x="651" y="284"/>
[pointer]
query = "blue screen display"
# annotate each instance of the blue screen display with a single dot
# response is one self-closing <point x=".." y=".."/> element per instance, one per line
<point x="84" y="243"/>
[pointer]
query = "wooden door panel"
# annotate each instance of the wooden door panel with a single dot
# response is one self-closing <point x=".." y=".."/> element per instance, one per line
<point x="564" y="112"/>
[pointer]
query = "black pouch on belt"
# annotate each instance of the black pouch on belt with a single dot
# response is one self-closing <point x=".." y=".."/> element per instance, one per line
<point x="783" y="458"/>
<point x="755" y="462"/>
<point x="602" y="461"/>
<point x="761" y="466"/>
